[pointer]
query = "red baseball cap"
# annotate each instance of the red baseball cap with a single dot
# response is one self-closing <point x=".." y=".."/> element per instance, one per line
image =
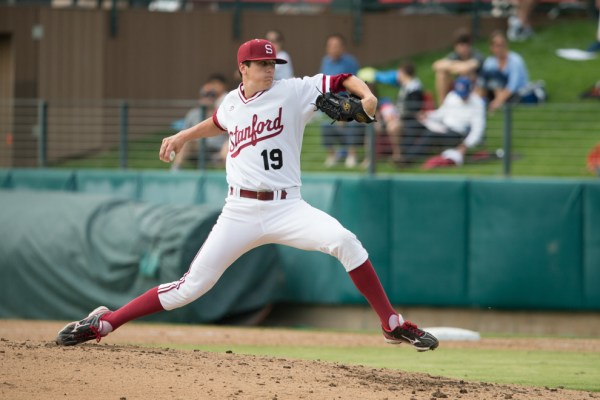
<point x="258" y="49"/>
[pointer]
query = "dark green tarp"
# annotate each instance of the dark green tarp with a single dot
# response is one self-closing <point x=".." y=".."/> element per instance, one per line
<point x="63" y="254"/>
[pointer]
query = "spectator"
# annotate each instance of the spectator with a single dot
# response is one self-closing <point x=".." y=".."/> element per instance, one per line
<point x="504" y="76"/>
<point x="400" y="120"/>
<point x="336" y="59"/>
<point x="282" y="71"/>
<point x="463" y="60"/>
<point x="519" y="24"/>
<point x="457" y="125"/>
<point x="211" y="94"/>
<point x="349" y="135"/>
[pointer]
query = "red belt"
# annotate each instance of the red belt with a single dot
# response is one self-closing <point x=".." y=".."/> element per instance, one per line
<point x="250" y="194"/>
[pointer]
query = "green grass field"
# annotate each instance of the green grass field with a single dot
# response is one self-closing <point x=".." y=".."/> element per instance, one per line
<point x="570" y="370"/>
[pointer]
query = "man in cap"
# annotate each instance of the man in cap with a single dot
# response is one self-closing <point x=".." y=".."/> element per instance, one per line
<point x="264" y="119"/>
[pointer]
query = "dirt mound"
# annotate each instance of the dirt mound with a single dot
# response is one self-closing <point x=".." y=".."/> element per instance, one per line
<point x="34" y="367"/>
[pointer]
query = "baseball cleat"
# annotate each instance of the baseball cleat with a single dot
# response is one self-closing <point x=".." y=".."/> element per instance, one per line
<point x="411" y="334"/>
<point x="82" y="331"/>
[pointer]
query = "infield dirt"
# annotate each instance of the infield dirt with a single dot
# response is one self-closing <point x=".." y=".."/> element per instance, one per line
<point x="33" y="367"/>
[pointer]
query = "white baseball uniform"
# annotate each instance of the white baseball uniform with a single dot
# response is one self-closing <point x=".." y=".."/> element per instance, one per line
<point x="265" y="141"/>
<point x="264" y="205"/>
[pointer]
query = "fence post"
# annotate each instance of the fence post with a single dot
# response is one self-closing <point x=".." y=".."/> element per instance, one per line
<point x="476" y="28"/>
<point x="201" y="164"/>
<point x="507" y="137"/>
<point x="372" y="154"/>
<point x="237" y="20"/>
<point x="113" y="19"/>
<point x="357" y="22"/>
<point x="124" y="113"/>
<point x="42" y="132"/>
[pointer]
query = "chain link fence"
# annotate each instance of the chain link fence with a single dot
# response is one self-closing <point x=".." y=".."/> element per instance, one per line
<point x="524" y="140"/>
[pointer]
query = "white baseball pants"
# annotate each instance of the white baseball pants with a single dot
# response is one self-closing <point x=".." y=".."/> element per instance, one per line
<point x="248" y="223"/>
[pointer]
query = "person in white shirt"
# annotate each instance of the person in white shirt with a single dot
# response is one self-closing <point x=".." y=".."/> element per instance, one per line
<point x="457" y="125"/>
<point x="264" y="120"/>
<point x="282" y="71"/>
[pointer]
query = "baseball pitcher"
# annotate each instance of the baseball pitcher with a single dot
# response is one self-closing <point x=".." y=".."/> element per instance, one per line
<point x="264" y="120"/>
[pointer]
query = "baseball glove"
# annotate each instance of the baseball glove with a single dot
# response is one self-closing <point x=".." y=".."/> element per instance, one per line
<point x="342" y="107"/>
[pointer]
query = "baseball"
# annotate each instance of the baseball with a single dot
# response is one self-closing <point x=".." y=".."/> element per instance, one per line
<point x="172" y="155"/>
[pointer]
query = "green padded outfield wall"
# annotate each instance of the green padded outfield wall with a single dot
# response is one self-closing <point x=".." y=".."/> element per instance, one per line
<point x="124" y="184"/>
<point x="363" y="206"/>
<point x="158" y="187"/>
<point x="526" y="244"/>
<point x="428" y="220"/>
<point x="434" y="241"/>
<point x="4" y="178"/>
<point x="42" y="179"/>
<point x="591" y="245"/>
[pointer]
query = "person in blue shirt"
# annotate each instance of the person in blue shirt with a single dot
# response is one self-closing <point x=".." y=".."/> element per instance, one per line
<point x="349" y="135"/>
<point x="504" y="74"/>
<point x="336" y="60"/>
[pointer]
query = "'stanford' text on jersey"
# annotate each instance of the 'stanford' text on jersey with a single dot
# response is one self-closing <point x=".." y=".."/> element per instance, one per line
<point x="250" y="135"/>
<point x="266" y="131"/>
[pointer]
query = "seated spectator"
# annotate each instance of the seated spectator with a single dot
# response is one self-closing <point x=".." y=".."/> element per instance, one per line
<point x="347" y="135"/>
<point x="211" y="95"/>
<point x="504" y="76"/>
<point x="282" y="71"/>
<point x="463" y="60"/>
<point x="399" y="119"/>
<point x="457" y="125"/>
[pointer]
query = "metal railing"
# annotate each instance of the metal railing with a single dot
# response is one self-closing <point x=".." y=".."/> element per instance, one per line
<point x="523" y="140"/>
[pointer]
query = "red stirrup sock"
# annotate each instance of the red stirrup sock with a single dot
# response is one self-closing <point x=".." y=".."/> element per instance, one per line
<point x="366" y="281"/>
<point x="146" y="304"/>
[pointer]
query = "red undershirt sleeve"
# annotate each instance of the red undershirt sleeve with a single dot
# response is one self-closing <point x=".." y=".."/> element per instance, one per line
<point x="336" y="83"/>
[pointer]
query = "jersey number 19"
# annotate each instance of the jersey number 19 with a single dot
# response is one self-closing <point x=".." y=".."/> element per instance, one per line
<point x="275" y="156"/>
